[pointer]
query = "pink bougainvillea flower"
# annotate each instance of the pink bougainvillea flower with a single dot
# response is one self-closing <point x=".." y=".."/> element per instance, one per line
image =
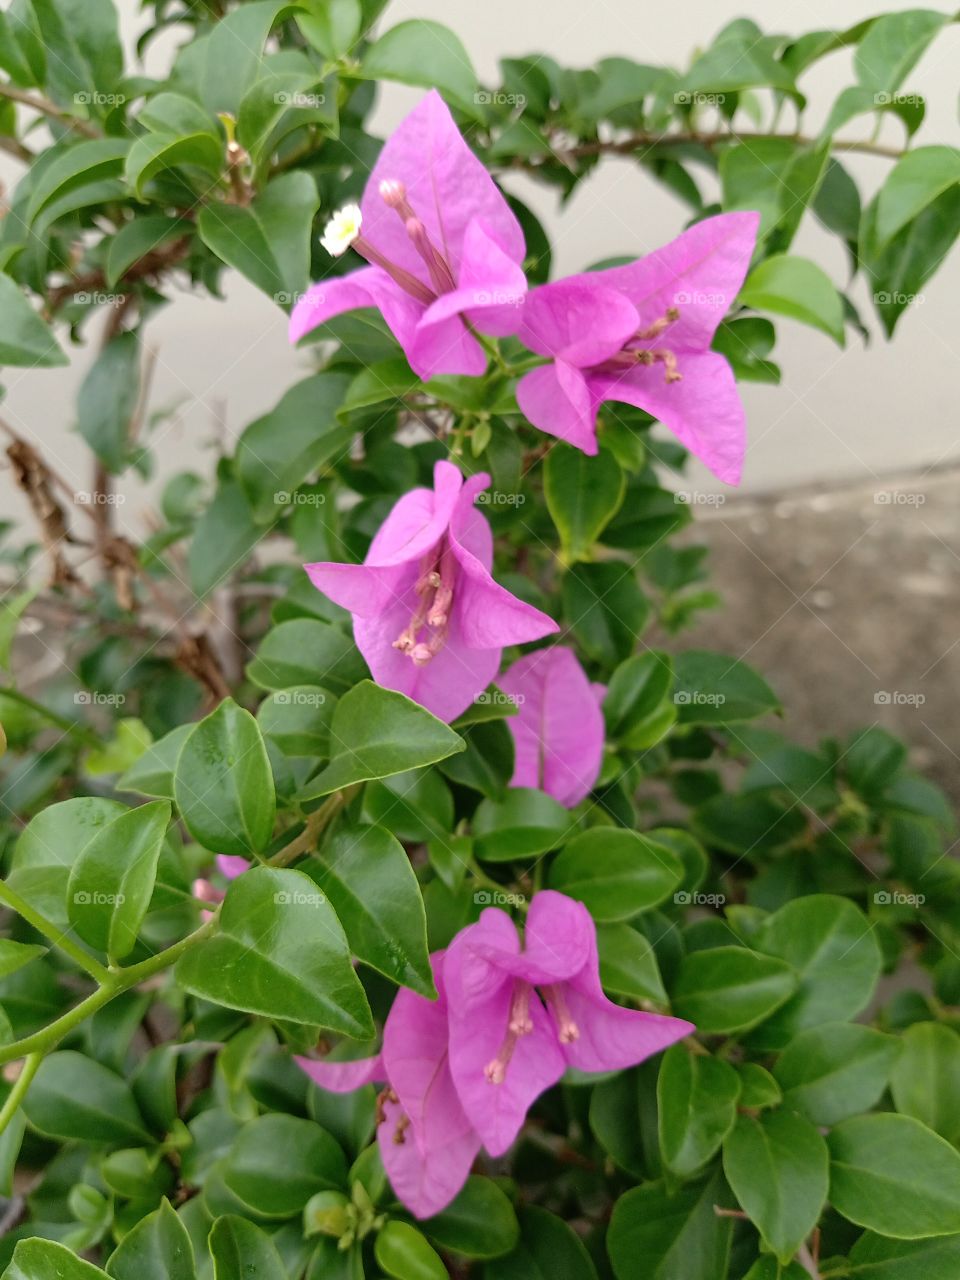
<point x="442" y="244"/>
<point x="427" y="616"/>
<point x="520" y="1016"/>
<point x="641" y="333"/>
<point x="558" y="729"/>
<point x="229" y="866"/>
<point x="426" y="1140"/>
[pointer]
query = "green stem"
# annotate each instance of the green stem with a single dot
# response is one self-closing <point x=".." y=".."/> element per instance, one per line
<point x="18" y="1092"/>
<point x="10" y="898"/>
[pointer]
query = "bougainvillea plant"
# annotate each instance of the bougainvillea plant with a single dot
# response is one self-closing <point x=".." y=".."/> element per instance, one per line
<point x="388" y="889"/>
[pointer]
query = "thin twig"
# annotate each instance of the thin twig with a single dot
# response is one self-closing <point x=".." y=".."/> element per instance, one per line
<point x="642" y="140"/>
<point x="38" y="102"/>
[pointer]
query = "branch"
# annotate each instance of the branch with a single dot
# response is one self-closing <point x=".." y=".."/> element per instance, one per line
<point x="644" y="140"/>
<point x="39" y="103"/>
<point x="52" y="932"/>
<point x="19" y="150"/>
<point x="20" y="1087"/>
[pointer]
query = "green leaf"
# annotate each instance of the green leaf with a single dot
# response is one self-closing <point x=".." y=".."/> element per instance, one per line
<point x="152" y="773"/>
<point x="378" y="732"/>
<point x="758" y="1089"/>
<point x="220" y="67"/>
<point x="390" y="379"/>
<point x="224" y="784"/>
<point x="697" y="1106"/>
<point x="137" y="238"/>
<point x="241" y="1251"/>
<point x="898" y="273"/>
<point x="129" y="740"/>
<point x="281" y="952"/>
<point x="155" y="152"/>
<point x="739" y="58"/>
<point x="777" y="1165"/>
<point x="831" y="946"/>
<point x="268" y="241"/>
<point x="402" y="1252"/>
<point x="14" y="955"/>
<point x="892" y="47"/>
<point x="36" y="1259"/>
<point x="875" y="1257"/>
<point x="893" y="1175"/>
<point x="424" y="53"/>
<point x="926" y="1078"/>
<point x="714" y="689"/>
<point x="112" y="879"/>
<point x="299" y="436"/>
<point x="628" y="964"/>
<point x="583" y="494"/>
<point x="521" y="825"/>
<point x="73" y="166"/>
<point x="277" y="1162"/>
<point x="608" y="611"/>
<point x="225" y="535"/>
<point x="158" y="1248"/>
<point x="797" y="288"/>
<point x="656" y="1236"/>
<point x="549" y="1249"/>
<point x="479" y="1223"/>
<point x="366" y="874"/>
<point x="24" y="338"/>
<point x="637" y="706"/>
<point x="914" y="182"/>
<point x="12" y="608"/>
<point x="74" y="1098"/>
<point x="305" y="651"/>
<point x="836" y="1070"/>
<point x="726" y="989"/>
<point x="298" y="720"/>
<point x="616" y="873"/>
<point x="331" y="26"/>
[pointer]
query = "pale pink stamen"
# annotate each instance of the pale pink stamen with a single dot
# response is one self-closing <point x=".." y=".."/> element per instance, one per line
<point x="519" y="1024"/>
<point x="567" y="1029"/>
<point x="394" y="195"/>
<point x="434" y="587"/>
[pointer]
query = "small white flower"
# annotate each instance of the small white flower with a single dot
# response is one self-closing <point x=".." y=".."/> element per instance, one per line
<point x="342" y="229"/>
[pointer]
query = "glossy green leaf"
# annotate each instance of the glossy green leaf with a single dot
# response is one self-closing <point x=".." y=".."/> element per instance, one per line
<point x="152" y="773"/>
<point x="402" y="1252"/>
<point x="14" y="955"/>
<point x="280" y="951"/>
<point x="549" y="1249"/>
<point x="479" y="1223"/>
<point x="424" y="53"/>
<point x="656" y="1236"/>
<point x="796" y="288"/>
<point x="112" y="880"/>
<point x="834" y="1071"/>
<point x="893" y="45"/>
<point x="913" y="183"/>
<point x="305" y="651"/>
<point x="637" y="707"/>
<point x="926" y="1078"/>
<point x="521" y="825"/>
<point x="606" y="608"/>
<point x="893" y="1175"/>
<point x="777" y="1165"/>
<point x="615" y="873"/>
<point x="24" y="338"/>
<point x="583" y="494"/>
<point x="278" y="1162"/>
<point x="158" y="1248"/>
<point x="628" y="964"/>
<point x="697" y="1106"/>
<point x="241" y="1251"/>
<point x="36" y="1259"/>
<point x="72" y="1097"/>
<point x="225" y="535"/>
<point x="223" y="783"/>
<point x="714" y="689"/>
<point x="726" y="989"/>
<point x="377" y="732"/>
<point x="876" y="1257"/>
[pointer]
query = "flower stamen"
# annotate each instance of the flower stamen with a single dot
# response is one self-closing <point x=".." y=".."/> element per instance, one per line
<point x="519" y="1024"/>
<point x="567" y="1029"/>
<point x="394" y="195"/>
<point x="434" y="588"/>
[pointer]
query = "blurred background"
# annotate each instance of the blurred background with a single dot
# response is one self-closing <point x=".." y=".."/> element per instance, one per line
<point x="839" y="558"/>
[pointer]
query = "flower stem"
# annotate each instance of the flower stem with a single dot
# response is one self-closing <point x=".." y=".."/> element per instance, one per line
<point x="19" y="1090"/>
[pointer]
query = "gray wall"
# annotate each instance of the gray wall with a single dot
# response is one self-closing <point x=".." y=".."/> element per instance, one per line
<point x="855" y="414"/>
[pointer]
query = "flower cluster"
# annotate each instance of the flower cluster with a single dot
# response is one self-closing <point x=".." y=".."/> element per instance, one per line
<point x="461" y="1072"/>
